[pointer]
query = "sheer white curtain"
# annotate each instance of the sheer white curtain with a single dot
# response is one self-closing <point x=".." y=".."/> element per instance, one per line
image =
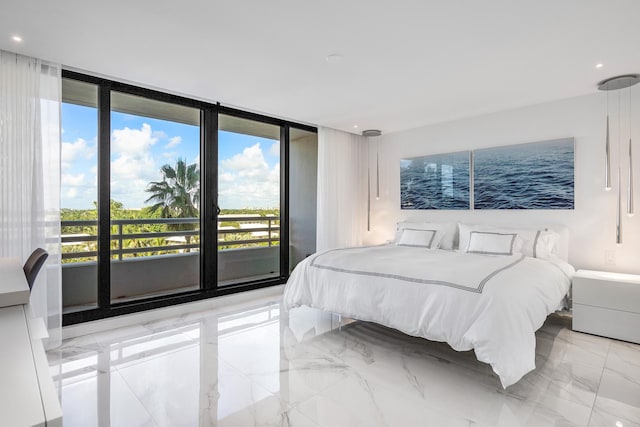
<point x="342" y="189"/>
<point x="30" y="94"/>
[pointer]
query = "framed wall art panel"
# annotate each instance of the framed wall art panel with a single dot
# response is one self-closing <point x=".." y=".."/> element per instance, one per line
<point x="538" y="175"/>
<point x="439" y="181"/>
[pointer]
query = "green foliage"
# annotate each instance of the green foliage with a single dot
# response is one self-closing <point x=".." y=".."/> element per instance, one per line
<point x="176" y="196"/>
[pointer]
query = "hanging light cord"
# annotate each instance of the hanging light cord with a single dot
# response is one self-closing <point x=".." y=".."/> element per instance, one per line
<point x="377" y="168"/>
<point x="630" y="207"/>
<point x="607" y="161"/>
<point x="368" y="189"/>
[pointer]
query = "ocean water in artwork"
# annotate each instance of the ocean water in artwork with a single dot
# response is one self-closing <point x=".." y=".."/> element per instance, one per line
<point x="439" y="181"/>
<point x="538" y="175"/>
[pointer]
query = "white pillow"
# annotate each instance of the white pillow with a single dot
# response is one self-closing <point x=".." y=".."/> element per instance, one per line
<point x="548" y="244"/>
<point x="420" y="238"/>
<point x="529" y="237"/>
<point x="449" y="231"/>
<point x="489" y="243"/>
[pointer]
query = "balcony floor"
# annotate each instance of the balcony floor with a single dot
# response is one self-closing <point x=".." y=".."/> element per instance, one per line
<point x="254" y="364"/>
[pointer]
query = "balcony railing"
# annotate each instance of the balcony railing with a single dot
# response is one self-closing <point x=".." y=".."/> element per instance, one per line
<point x="153" y="236"/>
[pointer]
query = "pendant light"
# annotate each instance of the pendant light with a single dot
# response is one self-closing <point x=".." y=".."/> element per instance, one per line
<point x="372" y="133"/>
<point x="630" y="210"/>
<point x="619" y="214"/>
<point x="617" y="84"/>
<point x="607" y="153"/>
<point x="368" y="195"/>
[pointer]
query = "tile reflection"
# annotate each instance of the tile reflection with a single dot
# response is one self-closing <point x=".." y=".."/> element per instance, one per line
<point x="207" y="369"/>
<point x="255" y="364"/>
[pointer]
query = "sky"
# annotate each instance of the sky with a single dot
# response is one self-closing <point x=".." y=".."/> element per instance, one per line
<point x="248" y="170"/>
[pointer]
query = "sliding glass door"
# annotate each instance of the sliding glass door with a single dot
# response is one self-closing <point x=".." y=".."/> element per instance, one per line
<point x="169" y="199"/>
<point x="155" y="198"/>
<point x="249" y="190"/>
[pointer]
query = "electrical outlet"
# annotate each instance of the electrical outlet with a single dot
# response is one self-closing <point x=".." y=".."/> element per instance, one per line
<point x="609" y="257"/>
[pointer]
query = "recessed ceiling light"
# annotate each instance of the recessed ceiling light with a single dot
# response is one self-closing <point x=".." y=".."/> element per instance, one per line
<point x="16" y="39"/>
<point x="599" y="65"/>
<point x="333" y="58"/>
<point x="355" y="126"/>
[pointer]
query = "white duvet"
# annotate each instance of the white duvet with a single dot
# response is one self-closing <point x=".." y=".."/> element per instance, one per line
<point x="491" y="304"/>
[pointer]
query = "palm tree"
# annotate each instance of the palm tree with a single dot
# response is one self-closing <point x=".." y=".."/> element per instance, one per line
<point x="177" y="195"/>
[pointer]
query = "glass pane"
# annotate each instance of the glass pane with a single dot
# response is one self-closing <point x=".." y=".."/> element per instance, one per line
<point x="155" y="198"/>
<point x="249" y="200"/>
<point x="79" y="194"/>
<point x="303" y="171"/>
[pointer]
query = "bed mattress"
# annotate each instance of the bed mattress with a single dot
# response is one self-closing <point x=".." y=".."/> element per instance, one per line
<point x="490" y="304"/>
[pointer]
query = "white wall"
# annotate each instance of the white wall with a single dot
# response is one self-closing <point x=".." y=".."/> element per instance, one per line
<point x="592" y="223"/>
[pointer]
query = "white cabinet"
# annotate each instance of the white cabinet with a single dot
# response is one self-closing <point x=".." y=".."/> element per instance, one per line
<point x="27" y="393"/>
<point x="14" y="289"/>
<point x="607" y="304"/>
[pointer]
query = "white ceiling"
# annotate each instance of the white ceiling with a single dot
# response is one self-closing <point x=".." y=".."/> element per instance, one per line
<point x="405" y="63"/>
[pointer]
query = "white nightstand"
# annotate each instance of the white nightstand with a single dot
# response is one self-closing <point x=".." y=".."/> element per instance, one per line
<point x="607" y="304"/>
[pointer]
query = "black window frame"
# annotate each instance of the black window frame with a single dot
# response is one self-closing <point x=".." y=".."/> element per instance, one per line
<point x="209" y="113"/>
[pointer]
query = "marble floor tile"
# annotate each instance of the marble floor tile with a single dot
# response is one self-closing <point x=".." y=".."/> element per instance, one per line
<point x="619" y="394"/>
<point x="600" y="418"/>
<point x="174" y="323"/>
<point x="255" y="364"/>
<point x="167" y="385"/>
<point x="241" y="401"/>
<point x="624" y="358"/>
<point x="269" y="412"/>
<point x="105" y="400"/>
<point x="356" y="401"/>
<point x="569" y="381"/>
<point x="74" y="348"/>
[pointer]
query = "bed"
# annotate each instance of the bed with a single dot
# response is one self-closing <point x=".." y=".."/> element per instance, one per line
<point x="490" y="296"/>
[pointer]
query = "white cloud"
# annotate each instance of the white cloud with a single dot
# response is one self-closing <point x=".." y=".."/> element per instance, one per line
<point x="274" y="174"/>
<point x="249" y="161"/>
<point x="133" y="165"/>
<point x="226" y="177"/>
<point x="133" y="142"/>
<point x="174" y="141"/>
<point x="275" y="149"/>
<point x="71" y="179"/>
<point x="245" y="180"/>
<point x="72" y="151"/>
<point x="247" y="194"/>
<point x="159" y="134"/>
<point x="94" y="172"/>
<point x="71" y="193"/>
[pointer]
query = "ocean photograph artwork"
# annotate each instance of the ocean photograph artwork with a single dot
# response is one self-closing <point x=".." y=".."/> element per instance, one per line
<point x="438" y="181"/>
<point x="538" y="175"/>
